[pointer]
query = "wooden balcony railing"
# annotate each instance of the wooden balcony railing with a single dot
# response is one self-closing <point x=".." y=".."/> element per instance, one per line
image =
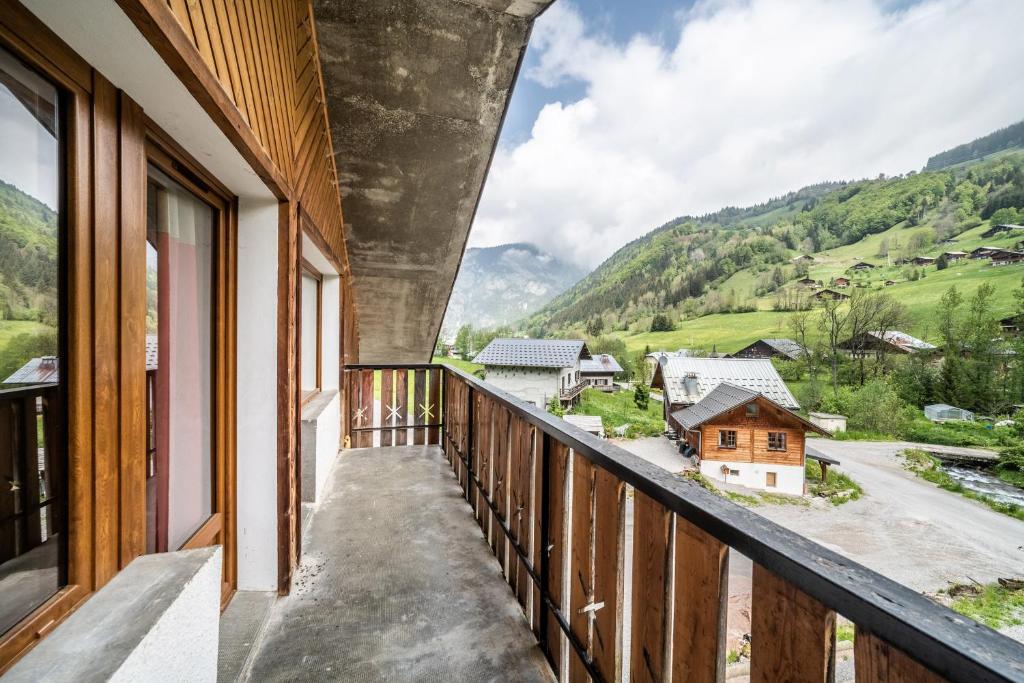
<point x="29" y="465"/>
<point x="575" y="390"/>
<point x="551" y="501"/>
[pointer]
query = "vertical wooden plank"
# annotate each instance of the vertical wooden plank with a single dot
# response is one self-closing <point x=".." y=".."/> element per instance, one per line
<point x="500" y="480"/>
<point x="133" y="331"/>
<point x="514" y="498"/>
<point x="651" y="590"/>
<point x="792" y="635"/>
<point x="701" y="600"/>
<point x="387" y="405"/>
<point x="875" y="661"/>
<point x="419" y="406"/>
<point x="402" y="406"/>
<point x="609" y="574"/>
<point x="554" y="546"/>
<point x="288" y="395"/>
<point x="364" y="439"/>
<point x="106" y="485"/>
<point x="522" y="505"/>
<point x="581" y="562"/>
<point x="434" y="404"/>
<point x="538" y="552"/>
<point x="482" y="463"/>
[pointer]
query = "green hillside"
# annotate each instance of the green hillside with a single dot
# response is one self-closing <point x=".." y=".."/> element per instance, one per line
<point x="728" y="278"/>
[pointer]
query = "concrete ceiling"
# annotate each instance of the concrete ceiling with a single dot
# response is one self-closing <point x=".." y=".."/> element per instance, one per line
<point x="416" y="91"/>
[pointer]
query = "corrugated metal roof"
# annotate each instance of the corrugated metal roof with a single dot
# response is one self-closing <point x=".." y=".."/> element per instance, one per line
<point x="903" y="340"/>
<point x="588" y="423"/>
<point x="721" y="399"/>
<point x="46" y="370"/>
<point x="688" y="380"/>
<point x="602" y="363"/>
<point x="533" y="353"/>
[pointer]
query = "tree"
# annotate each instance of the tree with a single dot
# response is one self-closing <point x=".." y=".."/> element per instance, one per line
<point x="799" y="325"/>
<point x="464" y="342"/>
<point x="595" y="326"/>
<point x="942" y="262"/>
<point x="981" y="335"/>
<point x="871" y="312"/>
<point x="641" y="395"/>
<point x="951" y="377"/>
<point x="661" y="323"/>
<point x="833" y="325"/>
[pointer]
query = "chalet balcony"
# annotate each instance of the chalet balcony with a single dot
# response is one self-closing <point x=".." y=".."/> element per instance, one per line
<point x="489" y="540"/>
<point x="570" y="393"/>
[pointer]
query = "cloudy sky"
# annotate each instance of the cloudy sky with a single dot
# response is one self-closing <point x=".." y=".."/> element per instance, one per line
<point x="629" y="113"/>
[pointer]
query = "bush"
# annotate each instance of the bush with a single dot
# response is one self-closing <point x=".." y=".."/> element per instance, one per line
<point x="661" y="323"/>
<point x="789" y="370"/>
<point x="874" y="407"/>
<point x="555" y="407"/>
<point x="641" y="396"/>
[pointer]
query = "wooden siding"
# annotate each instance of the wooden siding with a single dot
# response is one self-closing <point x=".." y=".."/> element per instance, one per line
<point x="752" y="436"/>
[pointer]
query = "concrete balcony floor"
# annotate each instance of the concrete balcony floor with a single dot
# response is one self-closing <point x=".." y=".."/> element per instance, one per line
<point x="396" y="583"/>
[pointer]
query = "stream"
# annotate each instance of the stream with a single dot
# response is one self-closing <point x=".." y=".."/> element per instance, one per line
<point x="982" y="481"/>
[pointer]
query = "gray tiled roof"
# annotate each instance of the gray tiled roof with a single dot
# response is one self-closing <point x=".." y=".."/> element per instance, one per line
<point x="601" y="363"/>
<point x="36" y="371"/>
<point x="533" y="353"/>
<point x="721" y="399"/>
<point x="688" y="380"/>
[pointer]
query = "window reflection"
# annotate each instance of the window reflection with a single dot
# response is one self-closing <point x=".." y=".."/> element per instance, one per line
<point x="32" y="456"/>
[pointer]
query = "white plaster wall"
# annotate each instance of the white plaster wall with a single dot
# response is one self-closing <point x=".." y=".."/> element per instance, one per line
<point x="788" y="478"/>
<point x="831" y="424"/>
<point x="534" y="385"/>
<point x="321" y="437"/>
<point x="183" y="645"/>
<point x="330" y="351"/>
<point x="256" y="471"/>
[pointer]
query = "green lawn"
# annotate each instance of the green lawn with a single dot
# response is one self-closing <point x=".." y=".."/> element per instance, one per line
<point x="463" y="365"/>
<point x="11" y="328"/>
<point x="617" y="409"/>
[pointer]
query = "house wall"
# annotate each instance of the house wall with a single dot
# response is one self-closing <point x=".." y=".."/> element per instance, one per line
<point x="602" y="382"/>
<point x="788" y="478"/>
<point x="533" y="385"/>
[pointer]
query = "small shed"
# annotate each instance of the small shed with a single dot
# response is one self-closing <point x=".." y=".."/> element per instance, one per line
<point x="588" y="423"/>
<point x="829" y="422"/>
<point x="943" y="412"/>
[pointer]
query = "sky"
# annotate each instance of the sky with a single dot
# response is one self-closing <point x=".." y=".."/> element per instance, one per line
<point x="629" y="113"/>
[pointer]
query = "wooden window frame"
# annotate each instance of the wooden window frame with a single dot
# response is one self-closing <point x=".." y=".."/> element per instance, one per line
<point x="166" y="155"/>
<point x="780" y="435"/>
<point x="724" y="436"/>
<point x="307" y="268"/>
<point x="753" y="410"/>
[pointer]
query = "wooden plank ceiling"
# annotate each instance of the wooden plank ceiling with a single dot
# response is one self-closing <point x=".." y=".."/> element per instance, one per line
<point x="416" y="91"/>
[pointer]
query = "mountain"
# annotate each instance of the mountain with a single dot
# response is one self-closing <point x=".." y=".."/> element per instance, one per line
<point x="1011" y="137"/>
<point x="28" y="257"/>
<point x="500" y="285"/>
<point x="740" y="260"/>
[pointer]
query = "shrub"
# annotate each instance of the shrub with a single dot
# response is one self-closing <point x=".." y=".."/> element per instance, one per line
<point x="874" y="407"/>
<point x="661" y="323"/>
<point x="641" y="396"/>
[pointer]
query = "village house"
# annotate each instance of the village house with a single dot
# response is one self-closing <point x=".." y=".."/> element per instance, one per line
<point x="536" y="370"/>
<point x="786" y="349"/>
<point x="1011" y="324"/>
<point x="830" y="295"/>
<point x="862" y="265"/>
<point x="923" y="260"/>
<point x="739" y="436"/>
<point x="802" y="258"/>
<point x="599" y="371"/>
<point x="807" y="282"/>
<point x="841" y="282"/>
<point x="685" y="381"/>
<point x="954" y="255"/>
<point x="890" y="341"/>
<point x="1005" y="257"/>
<point x="890" y="283"/>
<point x="983" y="252"/>
<point x="1002" y="227"/>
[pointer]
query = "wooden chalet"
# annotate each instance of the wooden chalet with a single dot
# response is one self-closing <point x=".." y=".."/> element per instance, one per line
<point x="954" y="255"/>
<point x="1002" y="227"/>
<point x="599" y="371"/>
<point x="739" y="436"/>
<point x="802" y="258"/>
<point x="889" y="341"/>
<point x="807" y="282"/>
<point x="1012" y="324"/>
<point x="890" y="283"/>
<point x="983" y="252"/>
<point x="923" y="260"/>
<point x="830" y="294"/>
<point x="1005" y="257"/>
<point x="278" y="194"/>
<point x="862" y="265"/>
<point x="786" y="349"/>
<point x="841" y="282"/>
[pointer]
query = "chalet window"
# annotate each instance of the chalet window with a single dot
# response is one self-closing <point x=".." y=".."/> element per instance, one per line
<point x="179" y="321"/>
<point x="752" y="410"/>
<point x="312" y="296"/>
<point x="727" y="438"/>
<point x="734" y="473"/>
<point x="33" y="456"/>
<point x="769" y="480"/>
<point x="776" y="441"/>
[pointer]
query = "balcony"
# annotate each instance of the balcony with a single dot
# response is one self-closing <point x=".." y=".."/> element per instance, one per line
<point x="606" y="565"/>
<point x="572" y="392"/>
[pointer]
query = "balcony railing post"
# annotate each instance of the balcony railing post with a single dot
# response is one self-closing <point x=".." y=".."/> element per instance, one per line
<point x="543" y="457"/>
<point x="469" y="447"/>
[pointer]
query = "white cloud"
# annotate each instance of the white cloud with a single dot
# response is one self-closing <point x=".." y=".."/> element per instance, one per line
<point x="756" y="98"/>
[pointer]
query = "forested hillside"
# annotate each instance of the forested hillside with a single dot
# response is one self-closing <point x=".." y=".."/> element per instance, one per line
<point x="740" y="260"/>
<point x="28" y="284"/>
<point x="1011" y="137"/>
